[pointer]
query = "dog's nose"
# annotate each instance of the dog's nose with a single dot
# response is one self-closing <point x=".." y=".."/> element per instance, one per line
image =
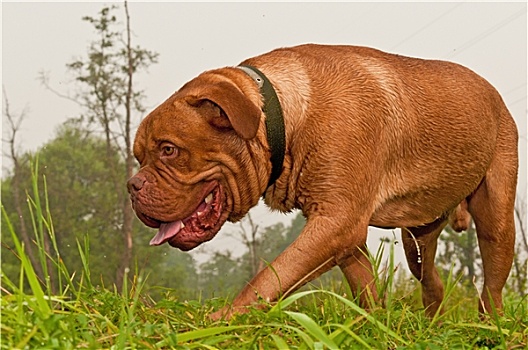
<point x="135" y="183"/>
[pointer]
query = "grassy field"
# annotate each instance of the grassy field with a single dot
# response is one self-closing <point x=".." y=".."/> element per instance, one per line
<point x="81" y="315"/>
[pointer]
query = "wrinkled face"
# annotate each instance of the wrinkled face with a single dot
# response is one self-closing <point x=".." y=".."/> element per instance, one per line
<point x="195" y="168"/>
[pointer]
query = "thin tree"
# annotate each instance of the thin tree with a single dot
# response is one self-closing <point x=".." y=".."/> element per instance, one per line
<point x="14" y="124"/>
<point x="461" y="250"/>
<point x="42" y="264"/>
<point x="248" y="235"/>
<point x="107" y="94"/>
<point x="251" y="241"/>
<point x="128" y="215"/>
<point x="520" y="214"/>
<point x="520" y="261"/>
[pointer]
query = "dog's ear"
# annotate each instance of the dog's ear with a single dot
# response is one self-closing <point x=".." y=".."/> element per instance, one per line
<point x="226" y="107"/>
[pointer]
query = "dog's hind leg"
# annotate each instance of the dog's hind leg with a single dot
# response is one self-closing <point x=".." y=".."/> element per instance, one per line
<point x="492" y="209"/>
<point x="420" y="248"/>
<point x="358" y="272"/>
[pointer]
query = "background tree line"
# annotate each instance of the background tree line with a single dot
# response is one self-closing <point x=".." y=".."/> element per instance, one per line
<point x="87" y="163"/>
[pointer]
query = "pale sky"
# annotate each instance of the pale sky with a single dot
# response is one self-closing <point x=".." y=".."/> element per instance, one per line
<point x="489" y="38"/>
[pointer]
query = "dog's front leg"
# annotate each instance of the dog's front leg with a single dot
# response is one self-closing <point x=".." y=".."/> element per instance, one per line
<point x="315" y="251"/>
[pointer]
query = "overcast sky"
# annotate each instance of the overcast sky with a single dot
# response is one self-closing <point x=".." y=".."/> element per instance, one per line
<point x="489" y="38"/>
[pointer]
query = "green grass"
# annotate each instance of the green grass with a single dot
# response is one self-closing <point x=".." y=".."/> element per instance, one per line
<point x="80" y="315"/>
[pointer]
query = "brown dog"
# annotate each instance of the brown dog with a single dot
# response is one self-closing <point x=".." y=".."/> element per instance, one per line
<point x="369" y="138"/>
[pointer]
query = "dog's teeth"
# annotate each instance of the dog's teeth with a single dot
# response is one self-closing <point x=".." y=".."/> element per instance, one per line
<point x="209" y="198"/>
<point x="182" y="225"/>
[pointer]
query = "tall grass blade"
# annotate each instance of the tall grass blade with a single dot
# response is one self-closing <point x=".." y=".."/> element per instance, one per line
<point x="44" y="308"/>
<point x="346" y="329"/>
<point x="43" y="228"/>
<point x="35" y="209"/>
<point x="284" y="303"/>
<point x="84" y="254"/>
<point x="204" y="333"/>
<point x="279" y="342"/>
<point x="390" y="280"/>
<point x="312" y="328"/>
<point x="62" y="271"/>
<point x="449" y="289"/>
<point x="495" y="316"/>
<point x="370" y="318"/>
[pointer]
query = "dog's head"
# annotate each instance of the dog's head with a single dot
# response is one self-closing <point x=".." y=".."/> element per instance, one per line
<point x="200" y="159"/>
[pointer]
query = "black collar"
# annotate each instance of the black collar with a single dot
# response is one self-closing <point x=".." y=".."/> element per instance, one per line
<point x="274" y="121"/>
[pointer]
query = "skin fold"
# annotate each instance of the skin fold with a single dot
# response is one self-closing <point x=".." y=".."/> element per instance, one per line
<point x="371" y="139"/>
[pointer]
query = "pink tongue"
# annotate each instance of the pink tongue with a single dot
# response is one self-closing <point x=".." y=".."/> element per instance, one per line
<point x="166" y="232"/>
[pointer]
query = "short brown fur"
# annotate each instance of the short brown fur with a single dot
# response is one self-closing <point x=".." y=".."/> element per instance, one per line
<point x="371" y="139"/>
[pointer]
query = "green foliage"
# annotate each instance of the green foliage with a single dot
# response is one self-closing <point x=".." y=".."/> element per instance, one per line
<point x="103" y="76"/>
<point x="86" y="316"/>
<point x="71" y="185"/>
<point x="109" y="97"/>
<point x="276" y="238"/>
<point x="73" y="302"/>
<point x="78" y="194"/>
<point x="224" y="275"/>
<point x="459" y="249"/>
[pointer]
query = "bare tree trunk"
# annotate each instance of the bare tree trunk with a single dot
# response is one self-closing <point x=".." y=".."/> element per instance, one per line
<point x="470" y="250"/>
<point x="15" y="126"/>
<point x="108" y="72"/>
<point x="520" y="266"/>
<point x="522" y="229"/>
<point x="251" y="242"/>
<point x="128" y="215"/>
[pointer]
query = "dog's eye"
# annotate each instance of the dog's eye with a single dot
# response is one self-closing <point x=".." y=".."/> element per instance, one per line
<point x="169" y="150"/>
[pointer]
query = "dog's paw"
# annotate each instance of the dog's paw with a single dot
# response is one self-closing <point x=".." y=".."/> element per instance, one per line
<point x="227" y="312"/>
<point x="222" y="314"/>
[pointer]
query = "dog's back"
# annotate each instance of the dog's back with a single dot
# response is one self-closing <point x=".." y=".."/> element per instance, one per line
<point x="407" y="123"/>
<point x="391" y="141"/>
